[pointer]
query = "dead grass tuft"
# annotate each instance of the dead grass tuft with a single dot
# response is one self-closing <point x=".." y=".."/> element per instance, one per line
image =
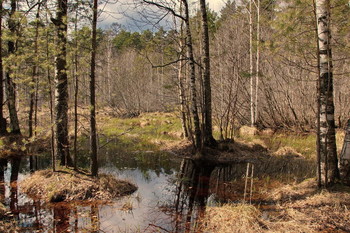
<point x="292" y="192"/>
<point x="232" y="218"/>
<point x="287" y="151"/>
<point x="247" y="218"/>
<point x="246" y="130"/>
<point x="69" y="185"/>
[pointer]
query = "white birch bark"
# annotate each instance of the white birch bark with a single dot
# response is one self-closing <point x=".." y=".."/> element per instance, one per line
<point x="328" y="153"/>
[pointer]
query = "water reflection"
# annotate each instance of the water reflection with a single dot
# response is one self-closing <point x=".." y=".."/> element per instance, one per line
<point x="61" y="218"/>
<point x="192" y="194"/>
<point x="3" y="164"/>
<point x="172" y="195"/>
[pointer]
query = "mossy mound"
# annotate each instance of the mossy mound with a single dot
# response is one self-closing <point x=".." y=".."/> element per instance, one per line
<point x="69" y="185"/>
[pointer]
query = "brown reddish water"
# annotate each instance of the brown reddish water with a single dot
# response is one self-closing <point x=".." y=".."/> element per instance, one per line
<point x="172" y="195"/>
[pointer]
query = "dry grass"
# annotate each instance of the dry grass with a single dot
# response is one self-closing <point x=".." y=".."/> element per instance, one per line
<point x="232" y="218"/>
<point x="247" y="218"/>
<point x="302" y="208"/>
<point x="292" y="192"/>
<point x="287" y="151"/>
<point x="69" y="185"/>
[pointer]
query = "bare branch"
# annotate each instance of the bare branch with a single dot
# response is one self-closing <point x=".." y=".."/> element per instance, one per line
<point x="172" y="11"/>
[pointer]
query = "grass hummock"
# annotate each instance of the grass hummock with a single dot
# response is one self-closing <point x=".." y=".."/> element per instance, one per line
<point x="69" y="185"/>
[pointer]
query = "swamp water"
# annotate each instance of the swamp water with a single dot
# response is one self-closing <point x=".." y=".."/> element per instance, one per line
<point x="171" y="197"/>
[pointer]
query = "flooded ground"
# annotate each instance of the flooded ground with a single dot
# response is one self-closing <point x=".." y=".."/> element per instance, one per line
<point x="172" y="194"/>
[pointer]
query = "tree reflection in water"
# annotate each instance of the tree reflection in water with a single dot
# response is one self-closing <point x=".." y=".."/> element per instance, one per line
<point x="191" y="194"/>
<point x="159" y="205"/>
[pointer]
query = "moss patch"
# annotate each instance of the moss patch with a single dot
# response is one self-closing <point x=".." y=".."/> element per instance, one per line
<point x="69" y="185"/>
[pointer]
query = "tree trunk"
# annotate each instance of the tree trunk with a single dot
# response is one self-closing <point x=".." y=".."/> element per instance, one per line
<point x="189" y="44"/>
<point x="2" y="119"/>
<point x="318" y="107"/>
<point x="10" y="85"/>
<point x="48" y="76"/>
<point x="93" y="137"/>
<point x="33" y="86"/>
<point x="328" y="152"/>
<point x="345" y="157"/>
<point x="252" y="118"/>
<point x="182" y="95"/>
<point x="208" y="139"/>
<point x="61" y="85"/>
<point x="76" y="90"/>
<point x="256" y="113"/>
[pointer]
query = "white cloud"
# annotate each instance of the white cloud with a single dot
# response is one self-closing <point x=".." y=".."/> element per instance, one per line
<point x="124" y="11"/>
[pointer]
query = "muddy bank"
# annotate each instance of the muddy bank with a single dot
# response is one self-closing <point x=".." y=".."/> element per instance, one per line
<point x="68" y="185"/>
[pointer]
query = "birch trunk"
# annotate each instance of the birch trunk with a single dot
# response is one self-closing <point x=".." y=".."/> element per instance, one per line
<point x="256" y="113"/>
<point x="252" y="118"/>
<point x="189" y="44"/>
<point x="328" y="152"/>
<point x="181" y="85"/>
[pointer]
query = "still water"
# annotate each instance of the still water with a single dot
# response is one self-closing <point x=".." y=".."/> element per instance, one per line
<point x="172" y="194"/>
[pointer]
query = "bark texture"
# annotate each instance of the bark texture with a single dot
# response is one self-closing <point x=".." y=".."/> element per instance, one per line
<point x="33" y="86"/>
<point x="208" y="139"/>
<point x="345" y="157"/>
<point x="328" y="152"/>
<point x="61" y="85"/>
<point x="189" y="45"/>
<point x="2" y="119"/>
<point x="93" y="140"/>
<point x="10" y="85"/>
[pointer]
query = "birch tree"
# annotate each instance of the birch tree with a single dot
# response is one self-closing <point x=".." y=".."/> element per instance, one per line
<point x="328" y="150"/>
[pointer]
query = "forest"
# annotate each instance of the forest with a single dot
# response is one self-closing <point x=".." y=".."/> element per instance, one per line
<point x="174" y="117"/>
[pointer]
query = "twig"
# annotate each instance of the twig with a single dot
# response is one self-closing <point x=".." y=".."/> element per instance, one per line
<point x="251" y="184"/>
<point x="246" y="182"/>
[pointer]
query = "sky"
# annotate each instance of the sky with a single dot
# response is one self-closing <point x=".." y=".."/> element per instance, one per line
<point x="124" y="12"/>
